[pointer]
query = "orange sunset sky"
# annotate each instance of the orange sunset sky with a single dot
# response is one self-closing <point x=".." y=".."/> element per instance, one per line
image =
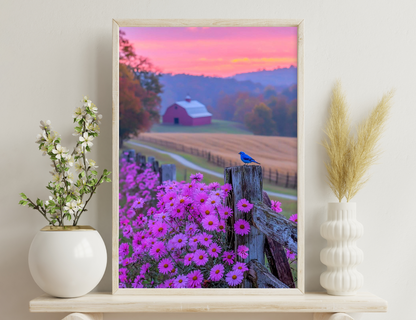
<point x="219" y="51"/>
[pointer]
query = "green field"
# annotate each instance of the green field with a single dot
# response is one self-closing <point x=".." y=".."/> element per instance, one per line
<point x="217" y="126"/>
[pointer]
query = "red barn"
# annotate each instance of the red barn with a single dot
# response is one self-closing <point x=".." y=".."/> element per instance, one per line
<point x="187" y="113"/>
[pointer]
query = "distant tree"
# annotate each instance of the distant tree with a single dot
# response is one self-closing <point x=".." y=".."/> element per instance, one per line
<point x="269" y="92"/>
<point x="139" y="92"/>
<point x="260" y="122"/>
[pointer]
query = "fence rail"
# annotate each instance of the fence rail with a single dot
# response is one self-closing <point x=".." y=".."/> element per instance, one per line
<point x="273" y="176"/>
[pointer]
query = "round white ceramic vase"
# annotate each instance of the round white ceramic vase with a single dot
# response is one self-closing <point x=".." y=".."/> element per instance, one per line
<point x="67" y="263"/>
<point x="341" y="256"/>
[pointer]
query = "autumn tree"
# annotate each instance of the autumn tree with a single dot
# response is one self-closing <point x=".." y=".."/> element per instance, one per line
<point x="139" y="89"/>
<point x="260" y="121"/>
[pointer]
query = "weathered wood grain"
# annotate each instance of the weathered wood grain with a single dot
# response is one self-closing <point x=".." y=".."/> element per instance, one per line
<point x="260" y="277"/>
<point x="275" y="226"/>
<point x="276" y="256"/>
<point x="167" y="172"/>
<point x="247" y="182"/>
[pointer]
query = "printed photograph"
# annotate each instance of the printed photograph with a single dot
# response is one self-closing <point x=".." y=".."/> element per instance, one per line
<point x="208" y="157"/>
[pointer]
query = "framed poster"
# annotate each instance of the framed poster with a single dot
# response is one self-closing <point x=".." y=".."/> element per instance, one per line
<point x="208" y="157"/>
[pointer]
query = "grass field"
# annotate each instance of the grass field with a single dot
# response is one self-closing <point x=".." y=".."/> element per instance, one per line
<point x="277" y="153"/>
<point x="217" y="126"/>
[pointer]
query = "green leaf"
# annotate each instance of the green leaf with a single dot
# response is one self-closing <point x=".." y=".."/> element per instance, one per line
<point x="23" y="202"/>
<point x="94" y="172"/>
<point x="78" y="129"/>
<point x="107" y="179"/>
<point x="68" y="216"/>
<point x="88" y="149"/>
<point x="23" y="196"/>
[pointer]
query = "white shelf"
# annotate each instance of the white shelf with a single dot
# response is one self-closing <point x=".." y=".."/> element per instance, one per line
<point x="309" y="302"/>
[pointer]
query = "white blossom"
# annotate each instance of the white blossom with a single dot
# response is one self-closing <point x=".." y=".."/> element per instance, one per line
<point x="86" y="140"/>
<point x="78" y="113"/>
<point x="79" y="166"/>
<point x="61" y="152"/>
<point x="40" y="138"/>
<point x="44" y="150"/>
<point x="92" y="164"/>
<point x="56" y="177"/>
<point x="70" y="160"/>
<point x="45" y="125"/>
<point x="99" y="117"/>
<point x="88" y="119"/>
<point x="71" y="206"/>
<point x="93" y="108"/>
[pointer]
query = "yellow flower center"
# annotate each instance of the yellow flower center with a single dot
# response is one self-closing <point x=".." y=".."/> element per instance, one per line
<point x="202" y="200"/>
<point x="201" y="257"/>
<point x="157" y="250"/>
<point x="214" y="250"/>
<point x="180" y="280"/>
<point x="217" y="271"/>
<point x="160" y="229"/>
<point x="242" y="226"/>
<point x="244" y="205"/>
<point x="194" y="277"/>
<point x="165" y="265"/>
<point x="234" y="277"/>
<point x="210" y="223"/>
<point x="182" y="201"/>
<point x="180" y="240"/>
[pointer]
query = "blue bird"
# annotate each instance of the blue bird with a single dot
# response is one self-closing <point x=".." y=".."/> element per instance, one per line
<point x="246" y="158"/>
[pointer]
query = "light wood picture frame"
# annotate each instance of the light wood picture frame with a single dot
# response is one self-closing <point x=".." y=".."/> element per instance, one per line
<point x="235" y="292"/>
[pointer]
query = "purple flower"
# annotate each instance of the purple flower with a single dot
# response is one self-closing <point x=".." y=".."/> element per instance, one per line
<point x="214" y="249"/>
<point x="294" y="218"/>
<point x="234" y="277"/>
<point x="138" y="203"/>
<point x="216" y="272"/>
<point x="205" y="239"/>
<point x="228" y="256"/>
<point x="206" y="209"/>
<point x="197" y="176"/>
<point x="124" y="250"/>
<point x="158" y="250"/>
<point x="244" y="206"/>
<point x="165" y="266"/>
<point x="240" y="266"/>
<point x="242" y="251"/>
<point x="195" y="278"/>
<point x="188" y="259"/>
<point x="200" y="257"/>
<point x="241" y="227"/>
<point x="210" y="222"/>
<point x="225" y="212"/>
<point x="290" y="255"/>
<point x="180" y="281"/>
<point x="276" y="206"/>
<point x="179" y="241"/>
<point x="201" y="198"/>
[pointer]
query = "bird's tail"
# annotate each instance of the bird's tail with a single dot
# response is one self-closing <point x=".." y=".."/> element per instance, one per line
<point x="256" y="162"/>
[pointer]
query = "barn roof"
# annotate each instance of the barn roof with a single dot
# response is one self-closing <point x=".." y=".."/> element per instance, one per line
<point x="194" y="108"/>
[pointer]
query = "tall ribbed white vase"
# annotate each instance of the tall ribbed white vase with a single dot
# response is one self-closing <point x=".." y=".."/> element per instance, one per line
<point x="341" y="256"/>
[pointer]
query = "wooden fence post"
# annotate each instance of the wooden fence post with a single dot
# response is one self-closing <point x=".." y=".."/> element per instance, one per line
<point x="287" y="180"/>
<point x="277" y="177"/>
<point x="247" y="182"/>
<point x="167" y="172"/>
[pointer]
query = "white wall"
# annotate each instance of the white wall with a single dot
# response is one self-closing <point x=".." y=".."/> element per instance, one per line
<point x="54" y="52"/>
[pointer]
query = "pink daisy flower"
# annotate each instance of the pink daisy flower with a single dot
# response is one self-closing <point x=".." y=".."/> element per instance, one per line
<point x="178" y="212"/>
<point x="218" y="193"/>
<point x="290" y="255"/>
<point x="221" y="226"/>
<point x="138" y="203"/>
<point x="210" y="222"/>
<point x="165" y="265"/>
<point x="214" y="185"/>
<point x="225" y="212"/>
<point x="205" y="239"/>
<point x="201" y="198"/>
<point x="159" y="229"/>
<point x="242" y="251"/>
<point x="207" y="209"/>
<point x="188" y="259"/>
<point x="195" y="278"/>
<point x="240" y="266"/>
<point x="158" y="250"/>
<point x="214" y="201"/>
<point x="234" y="277"/>
<point x="242" y="227"/>
<point x="144" y="269"/>
<point x="191" y="228"/>
<point x="180" y="281"/>
<point x="170" y="283"/>
<point x="179" y="241"/>
<point x="227" y="188"/>
<point x="276" y="206"/>
<point x="216" y="272"/>
<point x="197" y="176"/>
<point x="214" y="249"/>
<point x="170" y="196"/>
<point x="123" y="250"/>
<point x="193" y="242"/>
<point x="200" y="257"/>
<point x="244" y="206"/>
<point x="294" y="218"/>
<point x="228" y="256"/>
